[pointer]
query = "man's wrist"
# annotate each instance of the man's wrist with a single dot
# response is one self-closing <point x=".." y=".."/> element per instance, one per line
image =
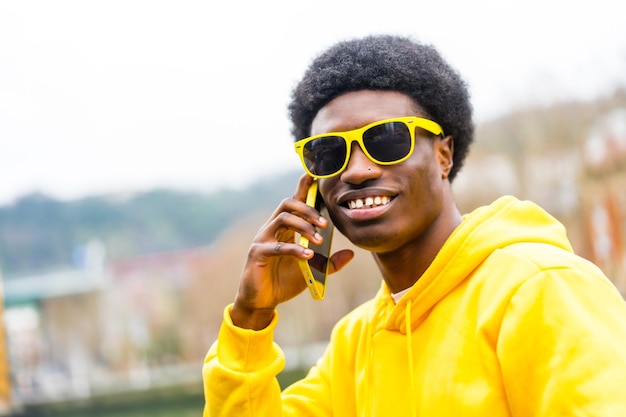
<point x="253" y="319"/>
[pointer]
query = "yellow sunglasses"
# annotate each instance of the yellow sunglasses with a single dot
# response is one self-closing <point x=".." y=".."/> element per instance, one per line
<point x="385" y="142"/>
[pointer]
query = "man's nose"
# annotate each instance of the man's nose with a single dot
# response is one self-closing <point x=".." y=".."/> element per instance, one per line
<point x="360" y="168"/>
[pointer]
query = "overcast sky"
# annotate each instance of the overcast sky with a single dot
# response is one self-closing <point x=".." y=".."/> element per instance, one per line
<point x="116" y="96"/>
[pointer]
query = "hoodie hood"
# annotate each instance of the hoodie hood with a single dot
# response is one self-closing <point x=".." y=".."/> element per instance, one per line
<point x="504" y="222"/>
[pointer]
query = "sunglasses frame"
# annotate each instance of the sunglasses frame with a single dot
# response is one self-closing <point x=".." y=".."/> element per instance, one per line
<point x="356" y="135"/>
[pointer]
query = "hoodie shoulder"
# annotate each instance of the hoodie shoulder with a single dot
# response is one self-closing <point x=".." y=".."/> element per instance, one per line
<point x="509" y="220"/>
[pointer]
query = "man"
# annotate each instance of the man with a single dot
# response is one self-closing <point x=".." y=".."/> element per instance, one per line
<point x="487" y="314"/>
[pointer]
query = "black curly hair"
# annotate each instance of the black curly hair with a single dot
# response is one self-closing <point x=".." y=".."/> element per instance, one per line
<point x="387" y="62"/>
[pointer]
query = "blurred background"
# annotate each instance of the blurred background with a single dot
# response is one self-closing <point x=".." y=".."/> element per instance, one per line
<point x="143" y="143"/>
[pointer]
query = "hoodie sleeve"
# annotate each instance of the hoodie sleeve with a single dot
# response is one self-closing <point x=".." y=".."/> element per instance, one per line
<point x="562" y="346"/>
<point x="239" y="376"/>
<point x="239" y="372"/>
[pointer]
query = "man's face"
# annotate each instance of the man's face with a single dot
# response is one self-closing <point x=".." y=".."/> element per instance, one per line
<point x="384" y="208"/>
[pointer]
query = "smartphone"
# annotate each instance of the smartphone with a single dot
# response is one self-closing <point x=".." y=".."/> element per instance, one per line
<point x="315" y="270"/>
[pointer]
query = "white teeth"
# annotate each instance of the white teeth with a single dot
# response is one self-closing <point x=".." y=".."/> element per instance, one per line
<point x="368" y="202"/>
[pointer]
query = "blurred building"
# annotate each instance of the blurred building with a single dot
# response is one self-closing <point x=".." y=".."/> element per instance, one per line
<point x="49" y="322"/>
<point x="105" y="329"/>
<point x="603" y="195"/>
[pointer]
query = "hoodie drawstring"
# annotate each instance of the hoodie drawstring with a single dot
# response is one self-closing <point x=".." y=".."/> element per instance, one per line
<point x="368" y="362"/>
<point x="409" y="343"/>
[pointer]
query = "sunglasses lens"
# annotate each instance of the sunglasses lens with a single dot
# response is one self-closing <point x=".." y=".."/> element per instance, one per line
<point x="326" y="155"/>
<point x="388" y="142"/>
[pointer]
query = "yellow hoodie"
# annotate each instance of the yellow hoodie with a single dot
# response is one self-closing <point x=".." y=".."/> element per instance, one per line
<point x="506" y="321"/>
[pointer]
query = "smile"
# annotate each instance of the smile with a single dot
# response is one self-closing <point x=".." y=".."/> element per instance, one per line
<point x="368" y="202"/>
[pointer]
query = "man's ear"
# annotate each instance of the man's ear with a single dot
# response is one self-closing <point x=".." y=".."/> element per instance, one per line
<point x="445" y="151"/>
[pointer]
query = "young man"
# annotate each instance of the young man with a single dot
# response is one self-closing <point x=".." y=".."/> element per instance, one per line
<point x="487" y="314"/>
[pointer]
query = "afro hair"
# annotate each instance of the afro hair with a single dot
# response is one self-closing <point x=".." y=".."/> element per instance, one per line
<point x="393" y="63"/>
